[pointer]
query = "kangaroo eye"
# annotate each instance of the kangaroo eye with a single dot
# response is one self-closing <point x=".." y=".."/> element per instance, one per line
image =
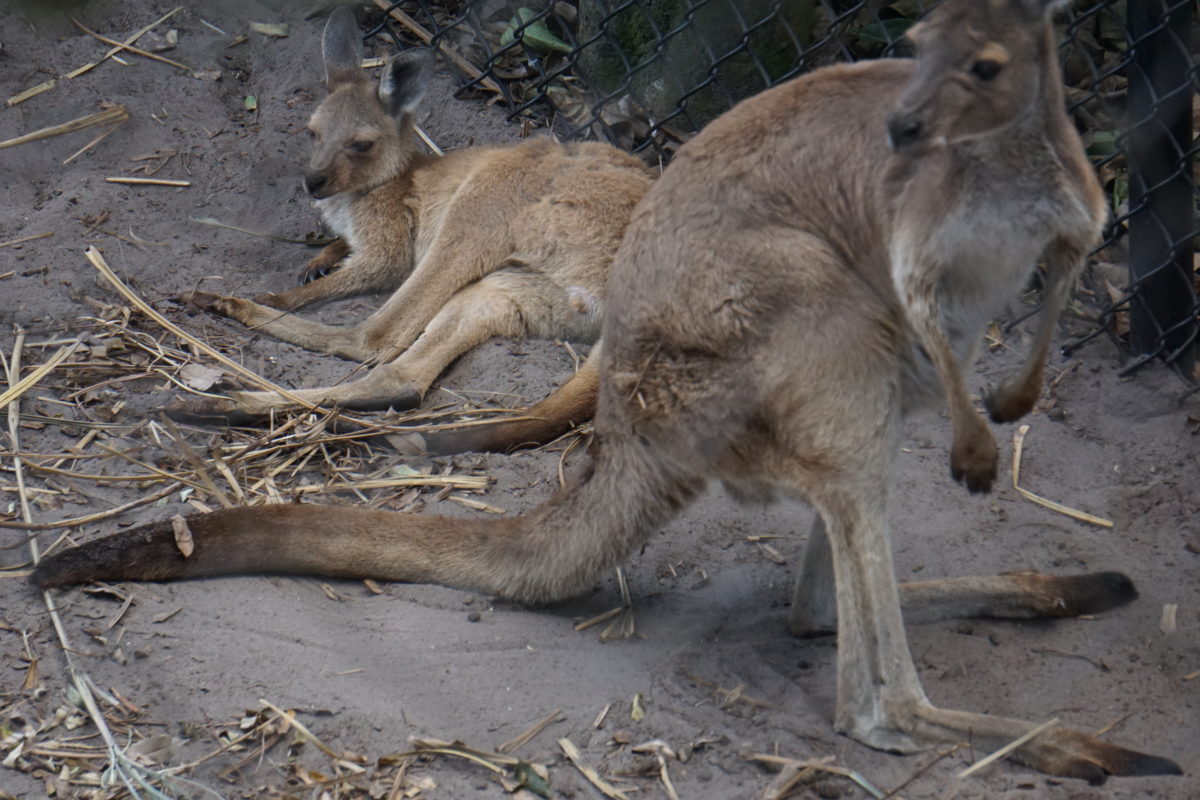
<point x="361" y="147"/>
<point x="310" y="133"/>
<point x="985" y="69"/>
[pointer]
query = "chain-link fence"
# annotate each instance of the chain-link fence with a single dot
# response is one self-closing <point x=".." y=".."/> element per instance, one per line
<point x="647" y="74"/>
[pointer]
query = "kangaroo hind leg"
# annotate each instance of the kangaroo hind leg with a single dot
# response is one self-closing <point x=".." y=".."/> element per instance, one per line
<point x="880" y="701"/>
<point x="1015" y="595"/>
<point x="498" y="305"/>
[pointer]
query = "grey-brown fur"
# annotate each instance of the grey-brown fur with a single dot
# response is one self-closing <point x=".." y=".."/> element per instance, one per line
<point x="787" y="291"/>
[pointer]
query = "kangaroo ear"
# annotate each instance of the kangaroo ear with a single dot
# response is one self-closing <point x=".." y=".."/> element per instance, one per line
<point x="341" y="47"/>
<point x="405" y="79"/>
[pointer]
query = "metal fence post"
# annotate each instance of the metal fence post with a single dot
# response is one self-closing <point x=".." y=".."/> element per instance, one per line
<point x="1161" y="194"/>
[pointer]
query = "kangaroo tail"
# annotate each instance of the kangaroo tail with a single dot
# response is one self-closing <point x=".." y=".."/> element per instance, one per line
<point x="571" y="404"/>
<point x="556" y="551"/>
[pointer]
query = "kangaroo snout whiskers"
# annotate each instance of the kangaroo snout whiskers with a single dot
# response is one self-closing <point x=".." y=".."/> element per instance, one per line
<point x="484" y="242"/>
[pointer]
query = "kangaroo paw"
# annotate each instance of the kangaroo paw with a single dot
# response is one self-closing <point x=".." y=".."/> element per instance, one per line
<point x="218" y="304"/>
<point x="1071" y="754"/>
<point x="973" y="460"/>
<point x="1011" y="401"/>
<point x="1057" y="751"/>
<point x="272" y="300"/>
<point x="318" y="268"/>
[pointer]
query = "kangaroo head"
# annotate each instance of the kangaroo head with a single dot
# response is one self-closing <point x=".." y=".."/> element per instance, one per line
<point x="362" y="136"/>
<point x="979" y="67"/>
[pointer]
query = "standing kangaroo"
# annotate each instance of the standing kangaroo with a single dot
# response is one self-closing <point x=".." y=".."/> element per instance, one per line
<point x="810" y="268"/>
<point x="487" y="241"/>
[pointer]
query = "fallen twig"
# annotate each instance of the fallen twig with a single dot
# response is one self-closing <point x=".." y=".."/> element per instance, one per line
<point x="265" y="234"/>
<point x="148" y="181"/>
<point x="427" y="37"/>
<point x="97" y="260"/>
<point x="25" y="239"/>
<point x="589" y="772"/>
<point x="1008" y="748"/>
<point x="113" y="114"/>
<point x="1018" y="445"/>
<point x="88" y="519"/>
<point x="128" y="46"/>
<point x="519" y="741"/>
<point x="23" y="385"/>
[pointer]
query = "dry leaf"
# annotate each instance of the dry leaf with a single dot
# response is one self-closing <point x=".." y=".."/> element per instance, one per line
<point x="199" y="377"/>
<point x="1167" y="624"/>
<point x="166" y="615"/>
<point x="157" y="749"/>
<point x="771" y="554"/>
<point x="183" y="536"/>
<point x="1120" y="320"/>
<point x="31" y="676"/>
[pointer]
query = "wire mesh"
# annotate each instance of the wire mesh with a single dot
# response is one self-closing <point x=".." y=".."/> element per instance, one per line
<point x="648" y="74"/>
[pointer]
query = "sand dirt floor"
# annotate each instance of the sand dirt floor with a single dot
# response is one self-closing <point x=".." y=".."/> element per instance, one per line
<point x="711" y="674"/>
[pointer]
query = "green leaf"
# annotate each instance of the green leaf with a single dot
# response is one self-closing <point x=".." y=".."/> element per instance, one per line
<point x="885" y="31"/>
<point x="277" y="30"/>
<point x="1104" y="143"/>
<point x="536" y="35"/>
<point x="531" y="780"/>
<point x="251" y="103"/>
<point x="1120" y="190"/>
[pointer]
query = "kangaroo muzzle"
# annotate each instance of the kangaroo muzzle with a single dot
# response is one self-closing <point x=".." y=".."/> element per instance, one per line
<point x="316" y="183"/>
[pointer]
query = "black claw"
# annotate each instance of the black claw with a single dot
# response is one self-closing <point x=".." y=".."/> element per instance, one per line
<point x="310" y="275"/>
<point x="974" y="485"/>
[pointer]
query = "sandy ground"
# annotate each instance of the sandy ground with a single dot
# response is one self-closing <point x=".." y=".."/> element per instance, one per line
<point x="367" y="672"/>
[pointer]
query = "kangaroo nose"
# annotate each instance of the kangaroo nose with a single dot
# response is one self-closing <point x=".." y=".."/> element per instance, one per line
<point x="904" y="130"/>
<point x="314" y="182"/>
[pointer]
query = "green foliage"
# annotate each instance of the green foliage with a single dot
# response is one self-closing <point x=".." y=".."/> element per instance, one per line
<point x="536" y="34"/>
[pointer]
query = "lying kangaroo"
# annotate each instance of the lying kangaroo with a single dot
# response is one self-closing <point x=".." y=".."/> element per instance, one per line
<point x="487" y="241"/>
<point x="808" y="270"/>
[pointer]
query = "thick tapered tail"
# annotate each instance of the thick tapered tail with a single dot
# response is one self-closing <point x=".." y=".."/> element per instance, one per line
<point x="556" y="551"/>
<point x="571" y="404"/>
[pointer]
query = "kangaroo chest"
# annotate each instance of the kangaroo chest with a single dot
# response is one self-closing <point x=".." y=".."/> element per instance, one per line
<point x="984" y="254"/>
<point x="337" y="213"/>
<point x="980" y="250"/>
<point x="972" y="250"/>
